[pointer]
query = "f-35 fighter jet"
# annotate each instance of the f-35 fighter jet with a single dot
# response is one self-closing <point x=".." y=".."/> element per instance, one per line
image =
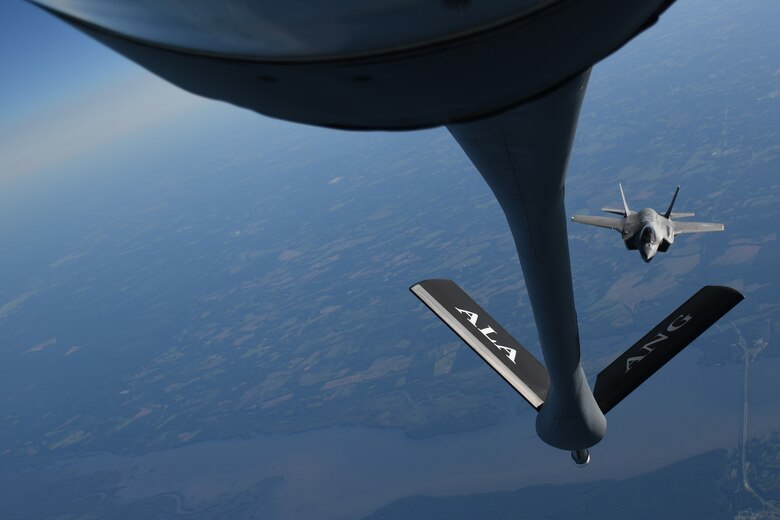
<point x="646" y="230"/>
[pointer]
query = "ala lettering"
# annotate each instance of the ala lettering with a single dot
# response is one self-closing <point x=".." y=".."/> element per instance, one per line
<point x="487" y="331"/>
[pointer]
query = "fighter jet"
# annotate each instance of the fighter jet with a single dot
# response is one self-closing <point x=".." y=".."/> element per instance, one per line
<point x="646" y="230"/>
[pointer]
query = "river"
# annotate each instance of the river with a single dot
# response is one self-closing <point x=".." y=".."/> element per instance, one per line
<point x="344" y="472"/>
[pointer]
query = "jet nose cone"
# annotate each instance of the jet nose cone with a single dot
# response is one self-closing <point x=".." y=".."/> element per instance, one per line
<point x="647" y="253"/>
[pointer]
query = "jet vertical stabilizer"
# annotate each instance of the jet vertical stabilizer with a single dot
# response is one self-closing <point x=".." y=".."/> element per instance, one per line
<point x="671" y="204"/>
<point x="626" y="211"/>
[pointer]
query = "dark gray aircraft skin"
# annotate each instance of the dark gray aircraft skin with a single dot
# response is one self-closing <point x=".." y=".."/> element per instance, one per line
<point x="507" y="78"/>
<point x="646" y="230"/>
<point x="367" y="64"/>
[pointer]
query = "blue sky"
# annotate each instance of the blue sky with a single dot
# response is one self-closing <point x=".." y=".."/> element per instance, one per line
<point x="45" y="61"/>
<point x="59" y="93"/>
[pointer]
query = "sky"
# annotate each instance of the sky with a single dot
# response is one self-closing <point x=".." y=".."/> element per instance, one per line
<point x="59" y="93"/>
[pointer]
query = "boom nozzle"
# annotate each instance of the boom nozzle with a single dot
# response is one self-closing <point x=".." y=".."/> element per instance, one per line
<point x="581" y="457"/>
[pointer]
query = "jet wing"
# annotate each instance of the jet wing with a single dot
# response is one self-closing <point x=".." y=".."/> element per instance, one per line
<point x="605" y="222"/>
<point x="696" y="227"/>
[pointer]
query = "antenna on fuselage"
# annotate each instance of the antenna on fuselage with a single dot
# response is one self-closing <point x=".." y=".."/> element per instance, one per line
<point x="674" y="198"/>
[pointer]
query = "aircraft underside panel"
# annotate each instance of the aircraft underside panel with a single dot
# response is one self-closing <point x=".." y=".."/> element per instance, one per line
<point x="364" y="65"/>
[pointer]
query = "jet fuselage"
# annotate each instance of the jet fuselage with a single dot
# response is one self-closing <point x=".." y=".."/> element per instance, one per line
<point x="648" y="232"/>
